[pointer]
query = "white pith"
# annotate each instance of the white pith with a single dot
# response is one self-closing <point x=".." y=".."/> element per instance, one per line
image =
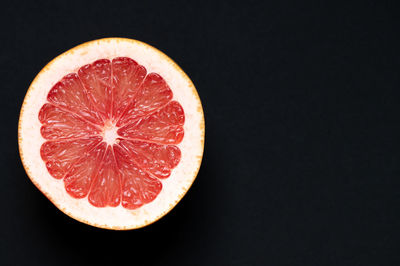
<point x="109" y="133"/>
<point x="174" y="187"/>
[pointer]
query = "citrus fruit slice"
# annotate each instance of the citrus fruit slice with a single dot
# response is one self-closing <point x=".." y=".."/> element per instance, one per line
<point x="112" y="132"/>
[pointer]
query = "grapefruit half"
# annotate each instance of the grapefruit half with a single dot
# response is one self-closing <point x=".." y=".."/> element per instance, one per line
<point x="112" y="133"/>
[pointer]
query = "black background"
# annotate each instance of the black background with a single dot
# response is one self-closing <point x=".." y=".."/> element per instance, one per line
<point x="301" y="163"/>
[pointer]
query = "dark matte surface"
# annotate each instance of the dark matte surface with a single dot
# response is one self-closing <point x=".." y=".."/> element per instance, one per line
<point x="301" y="164"/>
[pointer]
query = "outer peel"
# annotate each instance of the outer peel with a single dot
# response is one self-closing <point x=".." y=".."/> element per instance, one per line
<point x="192" y="145"/>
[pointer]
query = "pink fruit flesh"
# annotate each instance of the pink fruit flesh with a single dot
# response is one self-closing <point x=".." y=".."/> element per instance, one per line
<point x="111" y="132"/>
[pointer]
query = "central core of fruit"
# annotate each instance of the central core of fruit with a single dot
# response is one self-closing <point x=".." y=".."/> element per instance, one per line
<point x="109" y="134"/>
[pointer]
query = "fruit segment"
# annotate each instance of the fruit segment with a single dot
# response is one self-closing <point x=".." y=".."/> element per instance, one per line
<point x="59" y="156"/>
<point x="153" y="94"/>
<point x="127" y="77"/>
<point x="163" y="127"/>
<point x="82" y="173"/>
<point x="157" y="159"/>
<point x="138" y="187"/>
<point x="105" y="190"/>
<point x="70" y="95"/>
<point x="60" y="124"/>
<point x="96" y="79"/>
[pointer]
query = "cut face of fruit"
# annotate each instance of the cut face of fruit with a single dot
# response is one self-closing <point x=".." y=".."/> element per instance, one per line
<point x="112" y="132"/>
